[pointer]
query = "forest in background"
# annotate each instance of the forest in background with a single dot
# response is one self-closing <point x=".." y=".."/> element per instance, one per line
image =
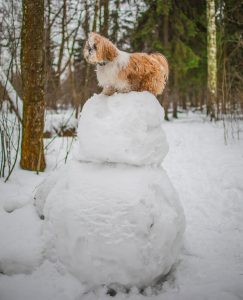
<point x="43" y="71"/>
<point x="178" y="29"/>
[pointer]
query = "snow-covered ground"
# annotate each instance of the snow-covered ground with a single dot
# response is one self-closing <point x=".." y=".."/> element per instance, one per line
<point x="208" y="176"/>
<point x="57" y="121"/>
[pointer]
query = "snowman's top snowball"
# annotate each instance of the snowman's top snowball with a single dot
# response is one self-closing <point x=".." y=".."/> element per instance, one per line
<point x="122" y="128"/>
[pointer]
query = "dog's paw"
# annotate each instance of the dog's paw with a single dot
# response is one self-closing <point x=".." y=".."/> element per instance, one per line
<point x="108" y="91"/>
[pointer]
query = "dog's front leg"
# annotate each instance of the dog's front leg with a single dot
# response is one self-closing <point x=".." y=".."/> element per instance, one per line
<point x="108" y="91"/>
<point x="125" y="90"/>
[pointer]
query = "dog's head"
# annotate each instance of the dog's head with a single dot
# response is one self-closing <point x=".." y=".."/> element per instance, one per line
<point x="98" y="49"/>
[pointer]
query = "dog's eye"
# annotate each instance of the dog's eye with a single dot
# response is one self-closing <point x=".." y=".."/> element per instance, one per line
<point x="95" y="47"/>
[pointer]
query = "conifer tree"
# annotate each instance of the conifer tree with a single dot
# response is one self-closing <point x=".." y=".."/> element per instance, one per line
<point x="166" y="26"/>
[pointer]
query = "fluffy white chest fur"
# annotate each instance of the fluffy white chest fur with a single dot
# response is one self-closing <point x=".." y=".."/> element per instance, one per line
<point x="107" y="75"/>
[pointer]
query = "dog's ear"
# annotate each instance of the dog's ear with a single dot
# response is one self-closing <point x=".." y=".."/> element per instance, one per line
<point x="110" y="51"/>
<point x="94" y="38"/>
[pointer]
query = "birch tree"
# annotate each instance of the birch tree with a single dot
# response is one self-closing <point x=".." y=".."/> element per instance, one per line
<point x="32" y="67"/>
<point x="212" y="59"/>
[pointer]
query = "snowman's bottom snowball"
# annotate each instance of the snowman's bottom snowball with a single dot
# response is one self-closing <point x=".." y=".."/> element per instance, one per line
<point x="114" y="223"/>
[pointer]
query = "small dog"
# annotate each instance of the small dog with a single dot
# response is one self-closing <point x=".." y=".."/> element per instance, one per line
<point x="122" y="72"/>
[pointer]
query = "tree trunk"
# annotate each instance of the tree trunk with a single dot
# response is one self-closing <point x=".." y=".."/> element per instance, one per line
<point x="212" y="59"/>
<point x="105" y="25"/>
<point x="166" y="42"/>
<point x="51" y="89"/>
<point x="100" y="15"/>
<point x="96" y="8"/>
<point x="63" y="36"/>
<point x="175" y="98"/>
<point x="175" y="95"/>
<point x="32" y="40"/>
<point x="115" y="16"/>
<point x="183" y="99"/>
<point x="86" y="70"/>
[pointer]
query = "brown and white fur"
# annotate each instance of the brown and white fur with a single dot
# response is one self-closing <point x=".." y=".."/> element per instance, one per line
<point x="119" y="71"/>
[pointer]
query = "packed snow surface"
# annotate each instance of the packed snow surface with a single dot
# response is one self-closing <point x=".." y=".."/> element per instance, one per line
<point x="111" y="223"/>
<point x="207" y="174"/>
<point x="123" y="128"/>
<point x="21" y="245"/>
<point x="61" y="120"/>
<point x="106" y="219"/>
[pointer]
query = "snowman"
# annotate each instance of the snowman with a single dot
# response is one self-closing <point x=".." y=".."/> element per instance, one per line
<point x="111" y="214"/>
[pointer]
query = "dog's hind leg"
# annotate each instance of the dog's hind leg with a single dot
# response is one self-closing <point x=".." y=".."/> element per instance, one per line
<point x="108" y="91"/>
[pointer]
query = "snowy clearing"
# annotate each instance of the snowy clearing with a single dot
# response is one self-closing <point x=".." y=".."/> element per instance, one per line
<point x="208" y="176"/>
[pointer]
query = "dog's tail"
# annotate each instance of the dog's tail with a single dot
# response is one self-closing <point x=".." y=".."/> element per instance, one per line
<point x="162" y="59"/>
